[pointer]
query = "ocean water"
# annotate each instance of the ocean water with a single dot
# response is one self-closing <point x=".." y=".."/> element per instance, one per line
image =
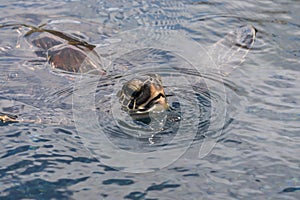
<point x="225" y="137"/>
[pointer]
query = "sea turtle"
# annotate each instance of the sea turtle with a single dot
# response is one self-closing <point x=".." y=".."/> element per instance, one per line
<point x="139" y="96"/>
<point x="64" y="52"/>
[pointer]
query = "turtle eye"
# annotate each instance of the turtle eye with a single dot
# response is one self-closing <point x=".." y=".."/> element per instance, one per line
<point x="133" y="88"/>
<point x="132" y="92"/>
<point x="144" y="95"/>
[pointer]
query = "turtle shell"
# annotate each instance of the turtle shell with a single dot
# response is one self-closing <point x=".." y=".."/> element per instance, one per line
<point x="65" y="52"/>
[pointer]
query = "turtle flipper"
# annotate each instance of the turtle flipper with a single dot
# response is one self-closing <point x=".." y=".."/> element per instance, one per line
<point x="8" y="118"/>
<point x="230" y="52"/>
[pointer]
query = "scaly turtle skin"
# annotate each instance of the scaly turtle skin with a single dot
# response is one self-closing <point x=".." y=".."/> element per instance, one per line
<point x="139" y="96"/>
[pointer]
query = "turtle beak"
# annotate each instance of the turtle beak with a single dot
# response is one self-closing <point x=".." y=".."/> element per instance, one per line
<point x="160" y="104"/>
<point x="158" y="101"/>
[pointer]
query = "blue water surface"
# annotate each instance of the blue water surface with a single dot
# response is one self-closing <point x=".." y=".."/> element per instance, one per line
<point x="253" y="148"/>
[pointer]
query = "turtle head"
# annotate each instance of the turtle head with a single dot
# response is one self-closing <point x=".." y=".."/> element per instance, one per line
<point x="143" y="95"/>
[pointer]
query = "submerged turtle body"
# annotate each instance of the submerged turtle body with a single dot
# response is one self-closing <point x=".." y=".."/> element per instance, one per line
<point x="140" y="95"/>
